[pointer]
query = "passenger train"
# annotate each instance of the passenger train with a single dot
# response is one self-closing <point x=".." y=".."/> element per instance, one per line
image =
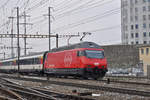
<point x="84" y="59"/>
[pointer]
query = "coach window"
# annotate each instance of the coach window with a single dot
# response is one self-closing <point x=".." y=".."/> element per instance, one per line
<point x="36" y="61"/>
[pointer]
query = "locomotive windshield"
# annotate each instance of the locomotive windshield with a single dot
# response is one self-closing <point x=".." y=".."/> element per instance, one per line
<point x="94" y="54"/>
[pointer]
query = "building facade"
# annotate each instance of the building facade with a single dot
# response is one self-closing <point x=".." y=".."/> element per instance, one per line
<point x="144" y="52"/>
<point x="135" y="20"/>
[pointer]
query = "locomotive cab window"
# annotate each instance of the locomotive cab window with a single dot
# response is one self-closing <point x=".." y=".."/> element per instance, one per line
<point x="81" y="53"/>
<point x="94" y="54"/>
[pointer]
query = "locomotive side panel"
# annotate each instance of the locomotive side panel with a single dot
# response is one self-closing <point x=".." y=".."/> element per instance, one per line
<point x="64" y="62"/>
<point x="85" y="62"/>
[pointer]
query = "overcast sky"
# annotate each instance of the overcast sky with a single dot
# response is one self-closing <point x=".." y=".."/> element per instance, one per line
<point x="100" y="17"/>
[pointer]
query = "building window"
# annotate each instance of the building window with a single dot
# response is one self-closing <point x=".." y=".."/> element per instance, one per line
<point x="137" y="42"/>
<point x="145" y="42"/>
<point x="147" y="51"/>
<point x="132" y="35"/>
<point x="132" y="27"/>
<point x="136" y="26"/>
<point x="132" y="43"/>
<point x="142" y="51"/>
<point x="144" y="1"/>
<point x="144" y="17"/>
<point x="149" y="34"/>
<point x="131" y="10"/>
<point x="149" y="17"/>
<point x="136" y="18"/>
<point x="148" y="8"/>
<point x="131" y="18"/>
<point x="136" y="35"/>
<point x="136" y="10"/>
<point x="144" y="8"/>
<point x="144" y="34"/>
<point x="144" y="25"/>
<point x="136" y="1"/>
<point x="126" y="36"/>
<point x="131" y="2"/>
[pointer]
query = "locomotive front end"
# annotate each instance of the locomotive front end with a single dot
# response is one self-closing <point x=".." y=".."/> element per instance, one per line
<point x="94" y="63"/>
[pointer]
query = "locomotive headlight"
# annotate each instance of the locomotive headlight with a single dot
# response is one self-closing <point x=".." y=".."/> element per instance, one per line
<point x="96" y="64"/>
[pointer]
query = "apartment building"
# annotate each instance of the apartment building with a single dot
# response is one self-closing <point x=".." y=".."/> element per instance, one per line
<point x="135" y="20"/>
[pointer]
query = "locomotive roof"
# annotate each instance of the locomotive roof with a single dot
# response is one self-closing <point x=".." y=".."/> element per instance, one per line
<point x="73" y="46"/>
<point x="78" y="45"/>
<point x="24" y="57"/>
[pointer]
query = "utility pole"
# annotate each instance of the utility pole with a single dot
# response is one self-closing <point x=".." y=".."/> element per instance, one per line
<point x="12" y="49"/>
<point x="18" y="39"/>
<point x="57" y="40"/>
<point x="4" y="56"/>
<point x="49" y="17"/>
<point x="25" y="31"/>
<point x="49" y="25"/>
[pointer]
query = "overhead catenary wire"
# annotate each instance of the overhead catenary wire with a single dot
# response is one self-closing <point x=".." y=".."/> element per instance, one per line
<point x="67" y="27"/>
<point x="78" y="7"/>
<point x="68" y="5"/>
<point x="62" y="9"/>
<point x="90" y="19"/>
<point x="105" y="29"/>
<point x="42" y="2"/>
<point x="5" y="4"/>
<point x="84" y="9"/>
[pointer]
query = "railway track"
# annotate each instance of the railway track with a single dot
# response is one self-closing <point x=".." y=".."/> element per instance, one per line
<point x="127" y="77"/>
<point x="6" y="94"/>
<point x="24" y="92"/>
<point x="93" y="87"/>
<point x="111" y="80"/>
<point x="125" y="82"/>
<point x="41" y="94"/>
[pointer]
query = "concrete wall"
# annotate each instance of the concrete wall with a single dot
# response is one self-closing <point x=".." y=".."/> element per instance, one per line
<point x="122" y="56"/>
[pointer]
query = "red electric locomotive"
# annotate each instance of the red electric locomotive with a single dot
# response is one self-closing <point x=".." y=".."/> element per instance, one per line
<point x="84" y="59"/>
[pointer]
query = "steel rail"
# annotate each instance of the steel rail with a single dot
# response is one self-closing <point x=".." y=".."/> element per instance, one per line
<point x="105" y="80"/>
<point x="125" y="82"/>
<point x="28" y="91"/>
<point x="62" y="95"/>
<point x="111" y="80"/>
<point x="102" y="88"/>
<point x="47" y="94"/>
<point x="12" y="95"/>
<point x="132" y="77"/>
